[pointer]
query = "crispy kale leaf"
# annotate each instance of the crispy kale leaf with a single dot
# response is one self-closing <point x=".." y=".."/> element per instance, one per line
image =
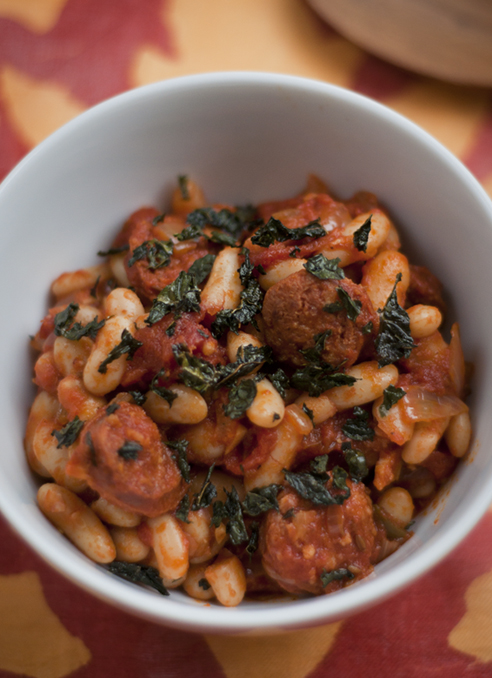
<point x="128" y="344"/>
<point x="67" y="435"/>
<point x="394" y="340"/>
<point x="275" y="231"/>
<point x="361" y="235"/>
<point x="323" y="268"/>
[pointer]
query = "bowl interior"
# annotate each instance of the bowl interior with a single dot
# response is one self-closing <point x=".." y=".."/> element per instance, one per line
<point x="245" y="138"/>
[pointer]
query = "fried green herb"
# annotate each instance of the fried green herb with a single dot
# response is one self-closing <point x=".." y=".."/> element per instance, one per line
<point x="368" y="327"/>
<point x="236" y="529"/>
<point x="241" y="397"/>
<point x="157" y="252"/>
<point x="92" y="450"/>
<point x="158" y="219"/>
<point x="339" y="477"/>
<point x="357" y="427"/>
<point x="165" y="393"/>
<point x="293" y="253"/>
<point x="361" y="235"/>
<point x="394" y="340"/>
<point x="391" y="396"/>
<point x="225" y="219"/>
<point x="139" y="398"/>
<point x="253" y="539"/>
<point x="180" y="447"/>
<point x="113" y="250"/>
<point x="200" y="268"/>
<point x="130" y="450"/>
<point x="251" y="302"/>
<point x="311" y="488"/>
<point x="128" y="344"/>
<point x="275" y="231"/>
<point x="315" y="379"/>
<point x="261" y="499"/>
<point x="112" y="408"/>
<point x="280" y="380"/>
<point x="203" y="584"/>
<point x="183" y="294"/>
<point x="313" y="354"/>
<point x="352" y="306"/>
<point x="323" y="268"/>
<point x="222" y="239"/>
<point x="248" y="358"/>
<point x="335" y="575"/>
<point x="195" y="373"/>
<point x="183" y="509"/>
<point x="335" y="307"/>
<point x="308" y="411"/>
<point x="65" y="326"/>
<point x="207" y="493"/>
<point x="219" y="513"/>
<point x="67" y="435"/>
<point x="189" y="233"/>
<point x="318" y="465"/>
<point x="139" y="574"/>
<point x="356" y="462"/>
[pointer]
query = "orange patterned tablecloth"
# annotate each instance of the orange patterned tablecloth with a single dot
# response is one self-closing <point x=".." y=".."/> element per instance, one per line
<point x="57" y="58"/>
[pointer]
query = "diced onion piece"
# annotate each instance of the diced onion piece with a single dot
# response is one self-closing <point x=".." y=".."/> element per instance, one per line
<point x="423" y="405"/>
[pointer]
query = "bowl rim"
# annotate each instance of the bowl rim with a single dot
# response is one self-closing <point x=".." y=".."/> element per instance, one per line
<point x="308" y="612"/>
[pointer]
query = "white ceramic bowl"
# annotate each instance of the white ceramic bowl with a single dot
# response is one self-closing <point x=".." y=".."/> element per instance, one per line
<point x="243" y="137"/>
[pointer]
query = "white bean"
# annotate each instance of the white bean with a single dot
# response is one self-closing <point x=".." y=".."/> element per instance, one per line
<point x="240" y="340"/>
<point x="124" y="302"/>
<point x="267" y="409"/>
<point x="227" y="579"/>
<point x="115" y="515"/>
<point x="424" y="320"/>
<point x="223" y="288"/>
<point x="321" y="407"/>
<point x="71" y="356"/>
<point x="370" y="384"/>
<point x="117" y="265"/>
<point x="196" y="574"/>
<point x="279" y="271"/>
<point x="77" y="521"/>
<point x="108" y="337"/>
<point x="187" y="408"/>
<point x="170" y="547"/>
<point x="458" y="434"/>
<point x="77" y="400"/>
<point x="68" y="283"/>
<point x="424" y="440"/>
<point x="129" y="547"/>
<point x="380" y="274"/>
<point x="53" y="458"/>
<point x="45" y="406"/>
<point x="398" y="504"/>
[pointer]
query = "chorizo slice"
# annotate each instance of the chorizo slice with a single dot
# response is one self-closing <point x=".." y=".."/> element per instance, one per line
<point x="302" y="542"/>
<point x="301" y="306"/>
<point x="122" y="457"/>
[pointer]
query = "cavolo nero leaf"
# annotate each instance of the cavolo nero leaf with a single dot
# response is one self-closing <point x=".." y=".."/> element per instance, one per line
<point x="241" y="396"/>
<point x="275" y="231"/>
<point x="361" y="235"/>
<point x="157" y="252"/>
<point x="391" y="396"/>
<point x="180" y="448"/>
<point x="251" y="302"/>
<point x="356" y="462"/>
<point x="323" y="268"/>
<point x="335" y="575"/>
<point x="67" y="435"/>
<point x="357" y="427"/>
<point x="166" y="393"/>
<point x="139" y="574"/>
<point x="65" y="326"/>
<point x="315" y="379"/>
<point x="261" y="499"/>
<point x="195" y="373"/>
<point x="313" y="489"/>
<point x="394" y="340"/>
<point x="128" y="344"/>
<point x="183" y="294"/>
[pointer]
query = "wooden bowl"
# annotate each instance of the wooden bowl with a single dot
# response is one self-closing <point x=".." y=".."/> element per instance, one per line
<point x="447" y="39"/>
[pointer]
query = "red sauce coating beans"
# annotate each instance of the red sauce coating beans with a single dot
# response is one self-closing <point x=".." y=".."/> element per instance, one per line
<point x="246" y="400"/>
